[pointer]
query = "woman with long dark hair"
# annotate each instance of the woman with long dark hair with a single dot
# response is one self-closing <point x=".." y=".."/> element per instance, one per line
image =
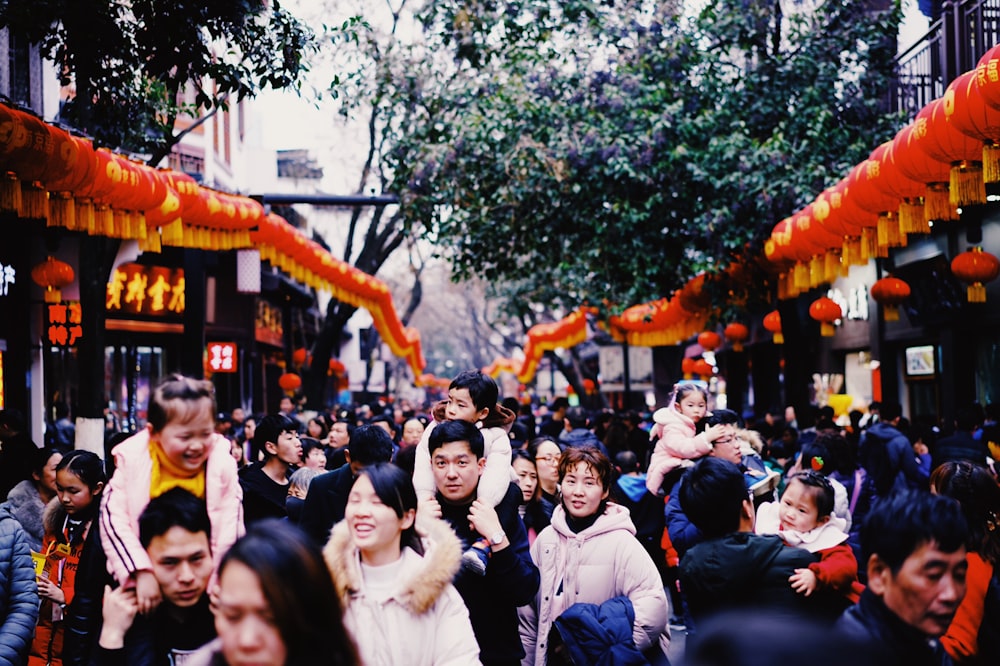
<point x="276" y="604"/>
<point x="394" y="575"/>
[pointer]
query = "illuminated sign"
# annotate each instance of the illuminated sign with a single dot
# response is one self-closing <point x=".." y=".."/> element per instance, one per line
<point x="268" y="325"/>
<point x="146" y="290"/>
<point x="63" y="323"/>
<point x="7" y="277"/>
<point x="222" y="356"/>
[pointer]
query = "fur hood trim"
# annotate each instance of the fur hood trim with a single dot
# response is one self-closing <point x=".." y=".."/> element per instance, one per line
<point x="499" y="416"/>
<point x="54" y="517"/>
<point x="424" y="583"/>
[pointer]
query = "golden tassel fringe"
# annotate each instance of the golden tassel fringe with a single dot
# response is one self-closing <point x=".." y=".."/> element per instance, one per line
<point x="967" y="185"/>
<point x="10" y="193"/>
<point x="937" y="207"/>
<point x="34" y="201"/>
<point x="991" y="162"/>
<point x="911" y="217"/>
<point x="977" y="293"/>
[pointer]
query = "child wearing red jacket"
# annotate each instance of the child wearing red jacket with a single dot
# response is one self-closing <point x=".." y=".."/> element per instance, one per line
<point x="804" y="518"/>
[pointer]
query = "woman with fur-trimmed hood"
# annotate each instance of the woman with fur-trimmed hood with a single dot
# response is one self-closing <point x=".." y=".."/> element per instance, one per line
<point x="394" y="576"/>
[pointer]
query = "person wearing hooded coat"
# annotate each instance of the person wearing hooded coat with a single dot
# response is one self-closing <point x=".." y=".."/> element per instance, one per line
<point x="18" y="592"/>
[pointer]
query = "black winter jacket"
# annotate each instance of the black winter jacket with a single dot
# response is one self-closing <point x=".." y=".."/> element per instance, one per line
<point x="895" y="642"/>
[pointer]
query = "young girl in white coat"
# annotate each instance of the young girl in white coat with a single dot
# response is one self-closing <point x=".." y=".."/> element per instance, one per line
<point x="394" y="576"/>
<point x="589" y="554"/>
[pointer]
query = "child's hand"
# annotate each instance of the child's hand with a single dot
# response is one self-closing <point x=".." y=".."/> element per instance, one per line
<point x="147" y="591"/>
<point x="714" y="432"/>
<point x="483" y="518"/>
<point x="49" y="590"/>
<point x="119" y="609"/>
<point x="429" y="507"/>
<point x="803" y="581"/>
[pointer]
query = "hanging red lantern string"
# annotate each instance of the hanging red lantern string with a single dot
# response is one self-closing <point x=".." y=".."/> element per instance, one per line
<point x="914" y="162"/>
<point x="890" y="292"/>
<point x="968" y="112"/>
<point x="910" y="192"/>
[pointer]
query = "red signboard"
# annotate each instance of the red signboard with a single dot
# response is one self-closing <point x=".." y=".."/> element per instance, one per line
<point x="222" y="356"/>
<point x="63" y="323"/>
<point x="146" y="290"/>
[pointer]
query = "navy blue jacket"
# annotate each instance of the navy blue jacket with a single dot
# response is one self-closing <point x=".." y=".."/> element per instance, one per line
<point x="18" y="592"/>
<point x="600" y="635"/>
<point x="511" y="580"/>
<point x="893" y="641"/>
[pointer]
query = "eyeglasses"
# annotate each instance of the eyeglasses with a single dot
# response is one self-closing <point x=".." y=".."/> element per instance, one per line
<point x="550" y="459"/>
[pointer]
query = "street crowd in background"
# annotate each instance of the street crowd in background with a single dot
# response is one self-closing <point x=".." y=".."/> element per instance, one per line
<point x="474" y="530"/>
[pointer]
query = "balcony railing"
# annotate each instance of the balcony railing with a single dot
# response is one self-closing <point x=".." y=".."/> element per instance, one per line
<point x="953" y="45"/>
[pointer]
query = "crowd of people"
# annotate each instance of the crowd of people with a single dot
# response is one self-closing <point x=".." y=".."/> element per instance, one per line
<point x="481" y="531"/>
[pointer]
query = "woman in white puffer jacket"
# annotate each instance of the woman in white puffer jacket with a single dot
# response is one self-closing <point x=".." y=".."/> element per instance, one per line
<point x="394" y="576"/>
<point x="589" y="554"/>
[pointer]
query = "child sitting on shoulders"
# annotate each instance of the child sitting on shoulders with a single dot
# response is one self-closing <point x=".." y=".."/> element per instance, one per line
<point x="178" y="447"/>
<point x="805" y="518"/>
<point x="676" y="433"/>
<point x="472" y="397"/>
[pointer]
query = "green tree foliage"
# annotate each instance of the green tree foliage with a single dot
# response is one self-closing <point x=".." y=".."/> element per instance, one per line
<point x="130" y="63"/>
<point x="576" y="151"/>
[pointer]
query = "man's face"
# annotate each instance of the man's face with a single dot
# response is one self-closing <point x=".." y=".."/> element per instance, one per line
<point x="182" y="564"/>
<point x="238" y="415"/>
<point x="927" y="589"/>
<point x="456" y="471"/>
<point x="338" y="436"/>
<point x="727" y="446"/>
<point x="286" y="406"/>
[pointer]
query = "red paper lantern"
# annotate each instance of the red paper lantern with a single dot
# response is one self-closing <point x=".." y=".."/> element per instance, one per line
<point x="736" y="333"/>
<point x="889" y="292"/>
<point x="772" y="323"/>
<point x="709" y="340"/>
<point x="687" y="367"/>
<point x="337" y="367"/>
<point x="289" y="381"/>
<point x="944" y="143"/>
<point x="826" y="312"/>
<point x="703" y="368"/>
<point x="299" y="356"/>
<point x="52" y="275"/>
<point x="965" y="108"/>
<point x="976" y="267"/>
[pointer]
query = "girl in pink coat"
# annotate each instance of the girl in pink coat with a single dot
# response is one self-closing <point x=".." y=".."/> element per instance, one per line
<point x="178" y="447"/>
<point x="675" y="432"/>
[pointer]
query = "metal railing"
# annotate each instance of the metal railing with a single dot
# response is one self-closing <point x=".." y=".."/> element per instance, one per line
<point x="953" y="45"/>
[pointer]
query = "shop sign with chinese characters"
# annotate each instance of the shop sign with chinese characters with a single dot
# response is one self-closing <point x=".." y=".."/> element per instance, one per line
<point x="63" y="323"/>
<point x="222" y="356"/>
<point x="155" y="291"/>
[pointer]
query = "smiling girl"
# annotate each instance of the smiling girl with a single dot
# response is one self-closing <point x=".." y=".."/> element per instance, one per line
<point x="394" y="577"/>
<point x="178" y="448"/>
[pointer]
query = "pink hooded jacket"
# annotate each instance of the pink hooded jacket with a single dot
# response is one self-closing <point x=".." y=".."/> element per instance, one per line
<point x="127" y="494"/>
<point x="676" y="442"/>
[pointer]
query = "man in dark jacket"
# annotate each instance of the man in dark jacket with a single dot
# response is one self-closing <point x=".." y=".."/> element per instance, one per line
<point x="265" y="483"/>
<point x="962" y="444"/>
<point x="577" y="430"/>
<point x="327" y="496"/>
<point x="18" y="593"/>
<point x="733" y="568"/>
<point x="914" y="546"/>
<point x="511" y="578"/>
<point x="174" y="529"/>
<point x="889" y="457"/>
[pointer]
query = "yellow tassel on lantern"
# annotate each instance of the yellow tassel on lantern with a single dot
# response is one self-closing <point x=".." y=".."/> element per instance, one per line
<point x="34" y="201"/>
<point x="911" y="217"/>
<point x="890" y="312"/>
<point x="10" y="193"/>
<point x="967" y="185"/>
<point x="976" y="293"/>
<point x="815" y="271"/>
<point x="888" y="230"/>
<point x="826" y="329"/>
<point x="869" y="249"/>
<point x="991" y="162"/>
<point x="831" y="266"/>
<point x="104" y="221"/>
<point x="937" y="207"/>
<point x="62" y="210"/>
<point x="800" y="276"/>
